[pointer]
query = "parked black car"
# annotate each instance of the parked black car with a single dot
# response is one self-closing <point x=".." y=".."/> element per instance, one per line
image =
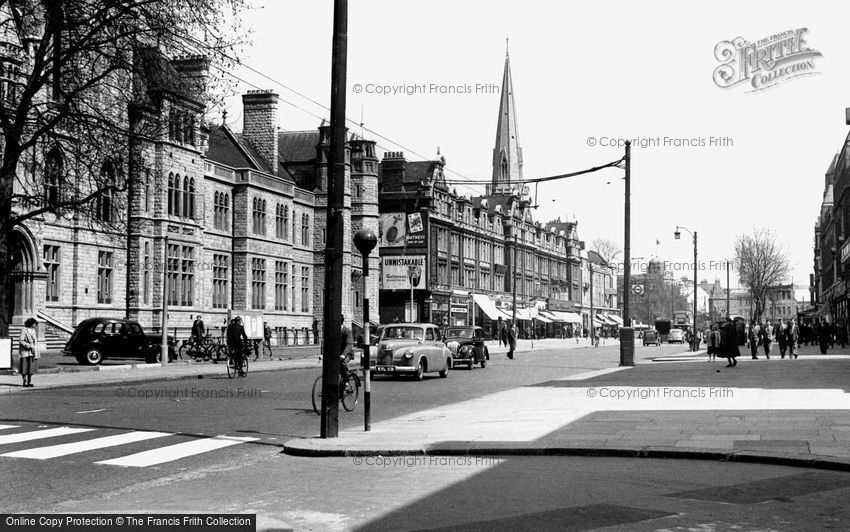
<point x="96" y="339"/>
<point x="467" y="346"/>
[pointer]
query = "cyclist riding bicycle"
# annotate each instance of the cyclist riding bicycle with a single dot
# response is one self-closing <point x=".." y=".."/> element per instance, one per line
<point x="235" y="335"/>
<point x="346" y="353"/>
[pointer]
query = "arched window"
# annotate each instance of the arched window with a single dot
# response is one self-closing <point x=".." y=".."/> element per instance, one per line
<point x="305" y="229"/>
<point x="263" y="218"/>
<point x="170" y="193"/>
<point x="147" y="202"/>
<point x="286" y="222"/>
<point x="177" y="193"/>
<point x="225" y="213"/>
<point x="216" y="211"/>
<point x="104" y="203"/>
<point x="53" y="170"/>
<point x="188" y="197"/>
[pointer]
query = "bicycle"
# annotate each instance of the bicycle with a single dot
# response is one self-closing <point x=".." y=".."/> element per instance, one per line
<point x="349" y="391"/>
<point x="238" y="365"/>
<point x="195" y="350"/>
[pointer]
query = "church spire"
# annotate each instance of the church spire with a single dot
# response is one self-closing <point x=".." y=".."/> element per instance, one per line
<point x="507" y="154"/>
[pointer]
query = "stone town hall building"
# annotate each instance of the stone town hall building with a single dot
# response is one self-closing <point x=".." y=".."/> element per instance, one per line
<point x="237" y="218"/>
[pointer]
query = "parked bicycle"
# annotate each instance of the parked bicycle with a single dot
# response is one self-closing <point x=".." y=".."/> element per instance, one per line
<point x="208" y="349"/>
<point x="349" y="388"/>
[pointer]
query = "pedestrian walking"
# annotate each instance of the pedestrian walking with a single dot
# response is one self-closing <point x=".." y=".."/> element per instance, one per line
<point x="729" y="344"/>
<point x="824" y="336"/>
<point x="503" y="335"/>
<point x="753" y="338"/>
<point x="267" y="338"/>
<point x="782" y="338"/>
<point x="315" y="331"/>
<point x="841" y="333"/>
<point x="712" y="342"/>
<point x="511" y="341"/>
<point x="767" y="338"/>
<point x="198" y="331"/>
<point x="793" y="338"/>
<point x="28" y="353"/>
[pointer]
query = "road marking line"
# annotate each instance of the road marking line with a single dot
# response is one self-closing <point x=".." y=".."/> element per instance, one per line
<point x="175" y="452"/>
<point x="39" y="434"/>
<point x="54" y="451"/>
<point x="90" y="411"/>
<point x="591" y="374"/>
<point x="8" y="427"/>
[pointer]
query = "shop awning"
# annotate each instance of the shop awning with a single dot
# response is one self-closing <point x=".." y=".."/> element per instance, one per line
<point x="568" y="317"/>
<point x="599" y="320"/>
<point x="522" y="314"/>
<point x="608" y="320"/>
<point x="616" y="319"/>
<point x="548" y="315"/>
<point x="540" y="317"/>
<point x="489" y="307"/>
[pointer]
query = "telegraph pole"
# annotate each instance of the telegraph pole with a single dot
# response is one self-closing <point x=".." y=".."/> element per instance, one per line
<point x="627" y="336"/>
<point x="334" y="246"/>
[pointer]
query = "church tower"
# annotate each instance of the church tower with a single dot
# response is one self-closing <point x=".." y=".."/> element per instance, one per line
<point x="507" y="154"/>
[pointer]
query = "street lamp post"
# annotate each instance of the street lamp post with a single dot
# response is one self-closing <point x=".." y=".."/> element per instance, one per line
<point x="365" y="240"/>
<point x="677" y="234"/>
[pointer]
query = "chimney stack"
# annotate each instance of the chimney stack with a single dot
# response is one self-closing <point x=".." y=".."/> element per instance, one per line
<point x="259" y="124"/>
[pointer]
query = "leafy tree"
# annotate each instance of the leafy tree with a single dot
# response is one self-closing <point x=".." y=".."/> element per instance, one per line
<point x="73" y="100"/>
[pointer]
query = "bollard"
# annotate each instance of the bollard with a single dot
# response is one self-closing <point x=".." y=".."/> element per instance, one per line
<point x="627" y="346"/>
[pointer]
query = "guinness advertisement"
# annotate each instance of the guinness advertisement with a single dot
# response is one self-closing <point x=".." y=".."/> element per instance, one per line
<point x="400" y="272"/>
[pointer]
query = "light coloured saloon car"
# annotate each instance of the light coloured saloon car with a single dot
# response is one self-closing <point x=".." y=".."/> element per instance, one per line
<point x="413" y="349"/>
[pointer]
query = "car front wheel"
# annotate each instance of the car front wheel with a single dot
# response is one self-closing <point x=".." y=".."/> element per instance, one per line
<point x="420" y="370"/>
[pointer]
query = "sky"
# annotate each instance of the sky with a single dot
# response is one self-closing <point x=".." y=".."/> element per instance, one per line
<point x="607" y="70"/>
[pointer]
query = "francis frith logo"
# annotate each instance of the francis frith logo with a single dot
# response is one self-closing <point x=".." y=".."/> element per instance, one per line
<point x="765" y="63"/>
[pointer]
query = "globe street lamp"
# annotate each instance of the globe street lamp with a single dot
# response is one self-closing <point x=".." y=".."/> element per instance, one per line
<point x="678" y="234"/>
<point x="365" y="240"/>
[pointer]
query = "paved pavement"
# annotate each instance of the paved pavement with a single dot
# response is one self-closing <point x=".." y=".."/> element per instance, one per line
<point x="74" y="375"/>
<point x="781" y="411"/>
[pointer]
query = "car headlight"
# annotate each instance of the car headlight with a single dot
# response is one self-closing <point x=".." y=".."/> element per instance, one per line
<point x="408" y="354"/>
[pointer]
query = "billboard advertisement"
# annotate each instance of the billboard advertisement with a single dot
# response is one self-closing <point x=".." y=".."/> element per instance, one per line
<point x="398" y="229"/>
<point x="399" y="272"/>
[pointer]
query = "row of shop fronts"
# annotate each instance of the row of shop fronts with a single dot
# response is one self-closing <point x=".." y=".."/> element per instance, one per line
<point x="549" y="318"/>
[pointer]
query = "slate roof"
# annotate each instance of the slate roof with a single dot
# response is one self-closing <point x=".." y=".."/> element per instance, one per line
<point x="226" y="148"/>
<point x="297" y="146"/>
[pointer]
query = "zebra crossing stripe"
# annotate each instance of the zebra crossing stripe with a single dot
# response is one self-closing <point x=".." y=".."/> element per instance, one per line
<point x="54" y="451"/>
<point x="175" y="452"/>
<point x="8" y="427"/>
<point x="39" y="434"/>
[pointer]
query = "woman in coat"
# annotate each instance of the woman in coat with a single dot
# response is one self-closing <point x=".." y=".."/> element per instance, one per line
<point x="28" y="352"/>
<point x="729" y="343"/>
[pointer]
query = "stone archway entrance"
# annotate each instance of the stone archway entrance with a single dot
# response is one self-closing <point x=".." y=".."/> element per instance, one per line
<point x="24" y="272"/>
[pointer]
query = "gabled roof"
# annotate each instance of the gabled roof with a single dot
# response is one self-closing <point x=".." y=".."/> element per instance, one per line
<point x="225" y="147"/>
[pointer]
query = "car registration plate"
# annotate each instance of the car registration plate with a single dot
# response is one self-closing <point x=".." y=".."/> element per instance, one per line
<point x="384" y="368"/>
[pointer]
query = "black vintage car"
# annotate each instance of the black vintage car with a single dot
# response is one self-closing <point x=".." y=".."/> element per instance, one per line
<point x="97" y="339"/>
<point x="467" y="346"/>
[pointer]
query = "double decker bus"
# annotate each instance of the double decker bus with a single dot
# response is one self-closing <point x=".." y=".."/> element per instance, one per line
<point x="683" y="319"/>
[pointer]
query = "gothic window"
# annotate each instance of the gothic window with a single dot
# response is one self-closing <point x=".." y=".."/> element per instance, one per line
<point x="53" y="169"/>
<point x="104" y="203"/>
<point x="170" y="193"/>
<point x="189" y="197"/>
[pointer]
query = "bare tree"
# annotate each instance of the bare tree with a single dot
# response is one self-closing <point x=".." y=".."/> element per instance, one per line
<point x="762" y="263"/>
<point x="74" y="95"/>
<point x="609" y="250"/>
